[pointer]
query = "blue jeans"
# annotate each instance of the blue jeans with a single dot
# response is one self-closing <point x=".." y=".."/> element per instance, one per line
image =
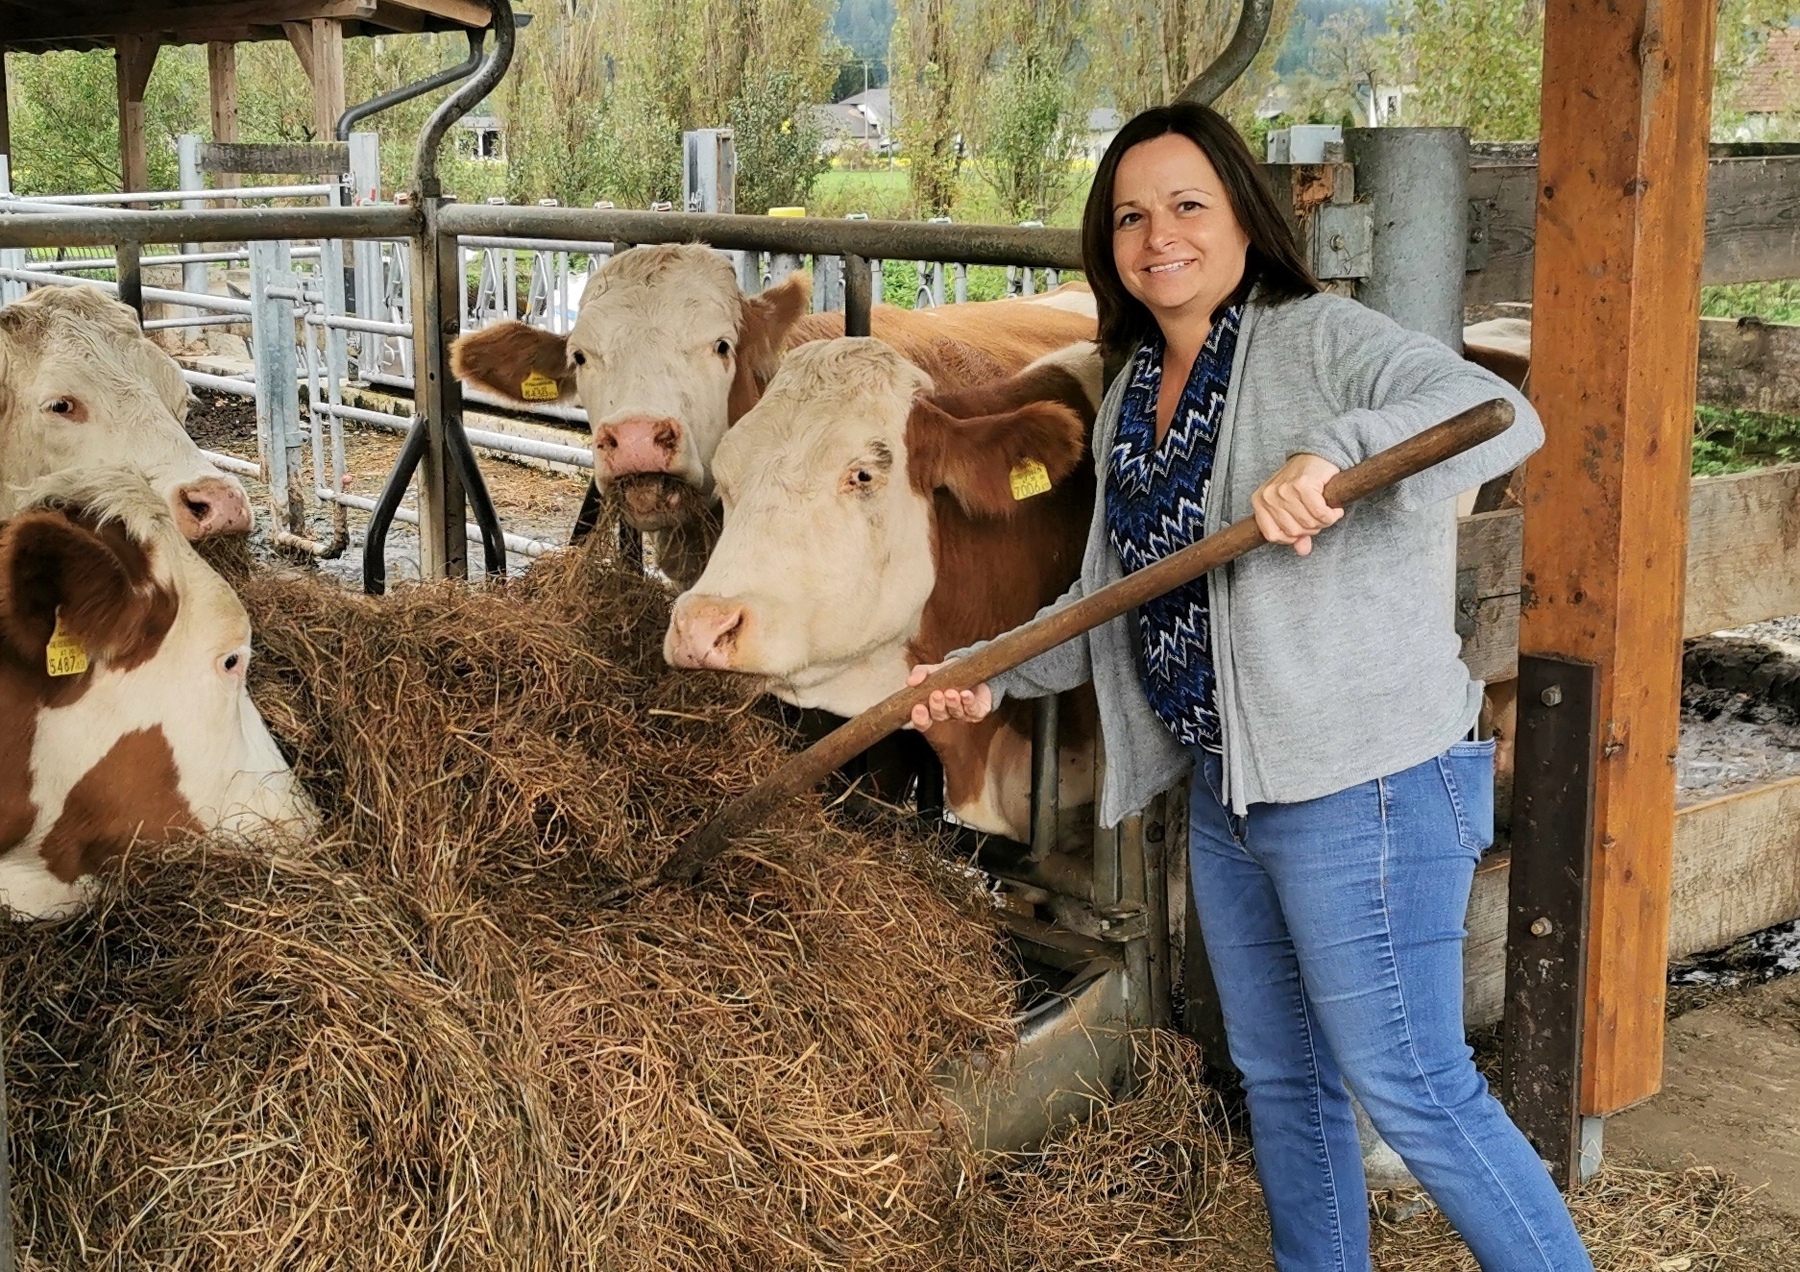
<point x="1335" y="932"/>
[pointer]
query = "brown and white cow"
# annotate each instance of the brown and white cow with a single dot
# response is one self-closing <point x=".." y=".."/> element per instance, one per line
<point x="667" y="353"/>
<point x="82" y="387"/>
<point x="872" y="521"/>
<point x="124" y="716"/>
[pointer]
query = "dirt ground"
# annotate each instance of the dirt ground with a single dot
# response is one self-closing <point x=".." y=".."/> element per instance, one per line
<point x="1731" y="1100"/>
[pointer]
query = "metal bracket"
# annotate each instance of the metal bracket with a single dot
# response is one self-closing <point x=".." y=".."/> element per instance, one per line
<point x="1468" y="602"/>
<point x="1477" y="258"/>
<point x="1343" y="240"/>
<point x="1547" y="905"/>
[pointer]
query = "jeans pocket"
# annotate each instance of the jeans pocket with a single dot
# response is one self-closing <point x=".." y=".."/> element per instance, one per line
<point x="1468" y="769"/>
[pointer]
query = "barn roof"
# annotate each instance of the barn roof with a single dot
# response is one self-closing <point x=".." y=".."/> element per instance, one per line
<point x="30" y="27"/>
<point x="1771" y="83"/>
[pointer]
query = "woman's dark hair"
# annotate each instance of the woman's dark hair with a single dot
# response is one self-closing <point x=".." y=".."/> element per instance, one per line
<point x="1273" y="259"/>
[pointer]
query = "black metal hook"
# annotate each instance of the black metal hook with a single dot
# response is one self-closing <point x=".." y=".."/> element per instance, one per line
<point x="406" y="92"/>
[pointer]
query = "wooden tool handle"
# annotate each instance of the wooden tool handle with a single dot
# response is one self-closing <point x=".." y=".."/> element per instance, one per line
<point x="811" y="766"/>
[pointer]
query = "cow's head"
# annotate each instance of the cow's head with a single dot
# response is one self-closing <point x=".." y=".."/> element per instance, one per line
<point x="833" y="487"/>
<point x="666" y="353"/>
<point x="82" y="387"/>
<point x="122" y="669"/>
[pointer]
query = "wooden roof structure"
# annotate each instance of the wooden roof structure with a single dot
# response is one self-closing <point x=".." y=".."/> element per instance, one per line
<point x="27" y="26"/>
<point x="136" y="29"/>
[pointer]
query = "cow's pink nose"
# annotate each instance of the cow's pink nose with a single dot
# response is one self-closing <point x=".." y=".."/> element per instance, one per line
<point x="703" y="632"/>
<point x="211" y="506"/>
<point x="637" y="444"/>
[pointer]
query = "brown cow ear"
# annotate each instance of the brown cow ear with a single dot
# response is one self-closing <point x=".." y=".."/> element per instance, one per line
<point x="976" y="459"/>
<point x="503" y="357"/>
<point x="762" y="333"/>
<point x="50" y="562"/>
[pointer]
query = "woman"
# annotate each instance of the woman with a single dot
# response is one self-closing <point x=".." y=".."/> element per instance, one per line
<point x="1318" y="697"/>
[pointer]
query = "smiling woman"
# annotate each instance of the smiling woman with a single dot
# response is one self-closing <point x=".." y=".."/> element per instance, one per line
<point x="1316" y="696"/>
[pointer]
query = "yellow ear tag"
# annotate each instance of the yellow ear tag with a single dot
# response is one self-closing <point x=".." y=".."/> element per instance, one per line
<point x="64" y="655"/>
<point x="539" y="387"/>
<point x="1029" y="477"/>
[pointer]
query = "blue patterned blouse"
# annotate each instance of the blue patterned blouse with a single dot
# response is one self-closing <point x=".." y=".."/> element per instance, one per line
<point x="1155" y="502"/>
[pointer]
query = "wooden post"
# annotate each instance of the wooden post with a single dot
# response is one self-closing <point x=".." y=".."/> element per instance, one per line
<point x="135" y="56"/>
<point x="327" y="76"/>
<point x="221" y="80"/>
<point x="1620" y="236"/>
<point x="5" y="117"/>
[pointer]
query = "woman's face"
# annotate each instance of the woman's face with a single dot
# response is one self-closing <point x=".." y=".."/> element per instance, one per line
<point x="1176" y="241"/>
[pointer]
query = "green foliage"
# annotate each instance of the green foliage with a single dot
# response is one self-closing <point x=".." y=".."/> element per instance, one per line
<point x="1745" y="27"/>
<point x="1028" y="137"/>
<point x="1772" y="302"/>
<point x="1477" y="63"/>
<point x="1733" y="441"/>
<point x="65" y="123"/>
<point x="777" y="141"/>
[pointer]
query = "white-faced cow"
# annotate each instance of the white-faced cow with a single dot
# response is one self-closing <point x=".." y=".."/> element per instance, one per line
<point x="667" y="352"/>
<point x="125" y="716"/>
<point x="82" y="387"/>
<point x="873" y="521"/>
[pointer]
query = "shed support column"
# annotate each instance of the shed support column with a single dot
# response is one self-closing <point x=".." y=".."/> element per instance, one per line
<point x="135" y="56"/>
<point x="327" y="76"/>
<point x="221" y="79"/>
<point x="5" y="117"/>
<point x="1620" y="235"/>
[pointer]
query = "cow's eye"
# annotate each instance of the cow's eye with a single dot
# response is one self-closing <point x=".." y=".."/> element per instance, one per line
<point x="864" y="477"/>
<point x="67" y="407"/>
<point x="580" y="358"/>
<point x="723" y="348"/>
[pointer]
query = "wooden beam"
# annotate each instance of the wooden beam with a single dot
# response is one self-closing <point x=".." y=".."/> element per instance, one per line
<point x="222" y="86"/>
<point x="292" y="159"/>
<point x="1621" y="207"/>
<point x="1736" y="870"/>
<point x="327" y="77"/>
<point x="465" y="12"/>
<point x="300" y="35"/>
<point x="134" y="57"/>
<point x="128" y="17"/>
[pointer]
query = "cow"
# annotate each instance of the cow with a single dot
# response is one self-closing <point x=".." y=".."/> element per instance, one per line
<point x="874" y="520"/>
<point x="81" y="386"/>
<point x="667" y="352"/>
<point x="122" y="691"/>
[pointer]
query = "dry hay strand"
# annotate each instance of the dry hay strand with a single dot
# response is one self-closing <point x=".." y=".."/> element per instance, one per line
<point x="416" y="1044"/>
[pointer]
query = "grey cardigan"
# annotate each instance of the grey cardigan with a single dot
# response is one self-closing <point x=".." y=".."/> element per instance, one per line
<point x="1333" y="668"/>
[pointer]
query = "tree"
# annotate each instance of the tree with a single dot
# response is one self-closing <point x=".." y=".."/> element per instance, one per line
<point x="936" y="55"/>
<point x="1031" y="106"/>
<point x="778" y="142"/>
<point x="1477" y="63"/>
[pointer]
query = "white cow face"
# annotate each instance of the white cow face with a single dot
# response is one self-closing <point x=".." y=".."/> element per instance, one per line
<point x="830" y="548"/>
<point x="82" y="387"/>
<point x="665" y="354"/>
<point x="157" y="734"/>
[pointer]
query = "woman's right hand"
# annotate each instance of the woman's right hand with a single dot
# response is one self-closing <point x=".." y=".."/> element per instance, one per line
<point x="967" y="705"/>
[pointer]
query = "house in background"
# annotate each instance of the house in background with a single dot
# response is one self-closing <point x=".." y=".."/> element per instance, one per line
<point x="480" y="137"/>
<point x="1769" y="95"/>
<point x="1103" y="124"/>
<point x="864" y="119"/>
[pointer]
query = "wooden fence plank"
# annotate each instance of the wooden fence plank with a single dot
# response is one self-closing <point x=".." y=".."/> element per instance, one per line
<point x="293" y="159"/>
<point x="1743" y="549"/>
<point x="1750" y="365"/>
<point x="1752" y="224"/>
<point x="1736" y="871"/>
<point x="1743" y="563"/>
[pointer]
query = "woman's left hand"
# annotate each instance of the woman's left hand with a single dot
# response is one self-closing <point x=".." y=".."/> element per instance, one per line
<point x="1290" y="507"/>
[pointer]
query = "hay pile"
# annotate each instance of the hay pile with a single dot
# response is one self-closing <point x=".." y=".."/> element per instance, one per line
<point x="416" y="1046"/>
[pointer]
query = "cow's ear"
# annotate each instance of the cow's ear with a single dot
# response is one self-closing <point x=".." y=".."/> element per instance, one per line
<point x="762" y="334"/>
<point x="165" y="374"/>
<point x="993" y="463"/>
<point x="52" y="566"/>
<point x="515" y="360"/>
